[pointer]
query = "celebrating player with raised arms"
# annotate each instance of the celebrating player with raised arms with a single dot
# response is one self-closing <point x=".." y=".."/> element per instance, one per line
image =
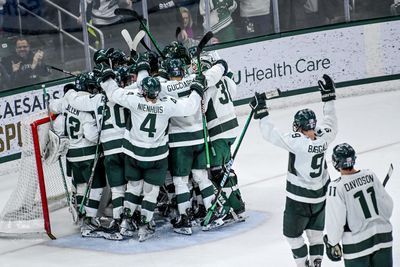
<point x="147" y="144"/>
<point x="307" y="177"/>
<point x="358" y="211"/>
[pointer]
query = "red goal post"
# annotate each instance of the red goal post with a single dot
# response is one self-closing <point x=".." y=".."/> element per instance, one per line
<point x="40" y="189"/>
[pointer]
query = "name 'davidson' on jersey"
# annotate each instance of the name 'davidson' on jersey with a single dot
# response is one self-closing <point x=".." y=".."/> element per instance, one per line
<point x="281" y="69"/>
<point x="358" y="182"/>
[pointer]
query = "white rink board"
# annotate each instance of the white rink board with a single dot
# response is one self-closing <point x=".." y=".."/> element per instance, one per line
<point x="298" y="61"/>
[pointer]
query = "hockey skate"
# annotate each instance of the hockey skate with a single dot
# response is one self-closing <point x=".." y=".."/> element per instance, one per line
<point x="146" y="231"/>
<point x="128" y="225"/>
<point x="113" y="231"/>
<point x="91" y="227"/>
<point x="182" y="225"/>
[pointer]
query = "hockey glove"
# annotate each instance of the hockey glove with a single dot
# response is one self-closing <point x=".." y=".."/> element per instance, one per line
<point x="142" y="61"/>
<point x="327" y="89"/>
<point x="163" y="69"/>
<point x="103" y="72"/>
<point x="223" y="64"/>
<point x="199" y="85"/>
<point x="334" y="253"/>
<point x="259" y="105"/>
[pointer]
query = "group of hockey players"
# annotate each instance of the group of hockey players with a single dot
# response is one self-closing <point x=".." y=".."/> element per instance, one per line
<point x="354" y="209"/>
<point x="138" y="123"/>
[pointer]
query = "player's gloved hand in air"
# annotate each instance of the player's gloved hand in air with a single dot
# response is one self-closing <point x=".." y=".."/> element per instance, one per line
<point x="259" y="105"/>
<point x="142" y="61"/>
<point x="163" y="69"/>
<point x="103" y="72"/>
<point x="334" y="253"/>
<point x="223" y="64"/>
<point x="199" y="85"/>
<point x="327" y="89"/>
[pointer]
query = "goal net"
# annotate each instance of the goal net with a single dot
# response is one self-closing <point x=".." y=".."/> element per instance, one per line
<point x="40" y="187"/>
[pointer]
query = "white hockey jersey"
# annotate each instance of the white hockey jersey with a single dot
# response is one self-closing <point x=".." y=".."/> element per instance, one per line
<point x="148" y="139"/>
<point x="307" y="177"/>
<point x="358" y="210"/>
<point x="220" y="112"/>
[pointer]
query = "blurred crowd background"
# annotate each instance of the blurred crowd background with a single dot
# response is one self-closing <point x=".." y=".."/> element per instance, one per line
<point x="36" y="34"/>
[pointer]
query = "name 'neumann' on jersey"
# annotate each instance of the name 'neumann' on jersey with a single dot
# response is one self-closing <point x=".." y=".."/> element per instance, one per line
<point x="178" y="86"/>
<point x="317" y="149"/>
<point x="150" y="109"/>
<point x="72" y="110"/>
<point x="358" y="182"/>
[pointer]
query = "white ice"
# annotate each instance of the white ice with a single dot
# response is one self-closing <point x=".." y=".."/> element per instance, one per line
<point x="370" y="123"/>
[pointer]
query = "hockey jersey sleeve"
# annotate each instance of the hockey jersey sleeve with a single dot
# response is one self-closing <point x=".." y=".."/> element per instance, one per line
<point x="273" y="135"/>
<point x="185" y="106"/>
<point x="328" y="127"/>
<point x="59" y="125"/>
<point x="56" y="106"/>
<point x="125" y="98"/>
<point x="84" y="101"/>
<point x="214" y="74"/>
<point x="385" y="201"/>
<point x="335" y="214"/>
<point x="90" y="130"/>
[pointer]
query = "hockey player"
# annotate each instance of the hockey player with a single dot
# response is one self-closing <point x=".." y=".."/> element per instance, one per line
<point x="146" y="147"/>
<point x="186" y="142"/>
<point x="358" y="210"/>
<point x="222" y="127"/>
<point x="307" y="177"/>
<point x="82" y="131"/>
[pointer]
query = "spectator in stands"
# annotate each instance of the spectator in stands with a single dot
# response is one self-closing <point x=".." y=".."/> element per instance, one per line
<point x="256" y="17"/>
<point x="220" y="18"/>
<point x="25" y="66"/>
<point x="188" y="34"/>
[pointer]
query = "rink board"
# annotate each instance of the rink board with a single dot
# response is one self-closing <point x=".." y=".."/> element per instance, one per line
<point x="164" y="239"/>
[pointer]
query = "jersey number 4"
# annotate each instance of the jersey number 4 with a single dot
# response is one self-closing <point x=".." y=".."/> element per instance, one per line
<point x="149" y="125"/>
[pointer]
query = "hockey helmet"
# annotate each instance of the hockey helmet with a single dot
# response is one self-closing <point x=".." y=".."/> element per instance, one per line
<point x="102" y="55"/>
<point x="86" y="82"/>
<point x="118" y="57"/>
<point x="68" y="87"/>
<point x="151" y="87"/>
<point x="304" y="119"/>
<point x="343" y="156"/>
<point x="153" y="61"/>
<point x="175" y="68"/>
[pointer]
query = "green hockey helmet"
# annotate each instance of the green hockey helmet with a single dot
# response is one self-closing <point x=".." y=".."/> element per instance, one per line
<point x="343" y="156"/>
<point x="102" y="55"/>
<point x="86" y="82"/>
<point x="304" y="119"/>
<point x="175" y="68"/>
<point x="151" y="87"/>
<point x="118" y="57"/>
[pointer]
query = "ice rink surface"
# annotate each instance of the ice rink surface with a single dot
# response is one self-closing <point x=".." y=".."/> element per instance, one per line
<point x="370" y="123"/>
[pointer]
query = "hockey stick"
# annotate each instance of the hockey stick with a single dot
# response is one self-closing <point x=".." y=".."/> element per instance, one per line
<point x="132" y="44"/>
<point x="388" y="175"/>
<point x="273" y="94"/>
<point x="133" y="13"/>
<point x="96" y="159"/>
<point x="61" y="70"/>
<point x="207" y="37"/>
<point x="71" y="209"/>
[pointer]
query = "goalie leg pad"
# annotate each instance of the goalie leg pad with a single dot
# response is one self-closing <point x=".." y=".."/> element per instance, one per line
<point x="182" y="193"/>
<point x="117" y="198"/>
<point x="299" y="250"/>
<point x="133" y="195"/>
<point x="149" y="200"/>
<point x="205" y="185"/>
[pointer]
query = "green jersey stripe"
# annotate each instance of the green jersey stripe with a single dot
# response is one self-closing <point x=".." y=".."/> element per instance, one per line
<point x="80" y="152"/>
<point x="145" y="152"/>
<point x="368" y="243"/>
<point x="306" y="193"/>
<point x="229" y="125"/>
<point x="181" y="137"/>
<point x="112" y="144"/>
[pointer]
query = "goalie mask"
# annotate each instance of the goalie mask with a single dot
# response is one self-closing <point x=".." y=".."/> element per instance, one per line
<point x="86" y="82"/>
<point x="343" y="156"/>
<point x="151" y="87"/>
<point x="305" y="120"/>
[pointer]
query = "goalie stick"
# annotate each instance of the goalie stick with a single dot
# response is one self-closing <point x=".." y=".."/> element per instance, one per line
<point x="207" y="37"/>
<point x="132" y="44"/>
<point x="61" y="70"/>
<point x="272" y="94"/>
<point x="133" y="13"/>
<point x="388" y="175"/>
<point x="71" y="208"/>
